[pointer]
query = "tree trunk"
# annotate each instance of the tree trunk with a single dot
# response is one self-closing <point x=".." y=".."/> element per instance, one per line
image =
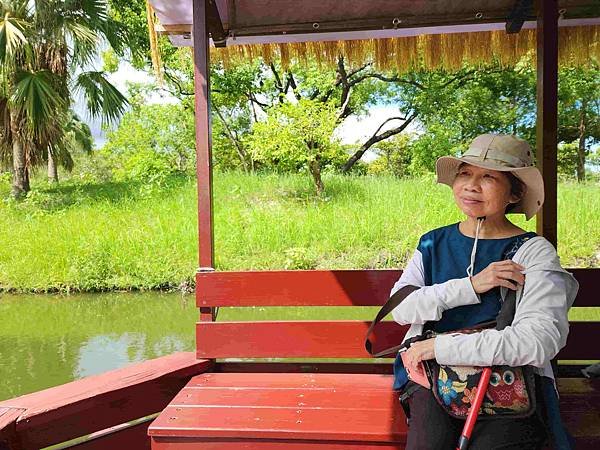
<point x="581" y="147"/>
<point x="20" y="185"/>
<point x="315" y="171"/>
<point x="52" y="169"/>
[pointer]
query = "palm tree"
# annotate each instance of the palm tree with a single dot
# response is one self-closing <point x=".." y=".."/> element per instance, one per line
<point x="77" y="137"/>
<point x="46" y="47"/>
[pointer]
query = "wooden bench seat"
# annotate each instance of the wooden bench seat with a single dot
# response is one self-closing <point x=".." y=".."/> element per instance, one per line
<point x="269" y="410"/>
<point x="308" y="408"/>
<point x="252" y="405"/>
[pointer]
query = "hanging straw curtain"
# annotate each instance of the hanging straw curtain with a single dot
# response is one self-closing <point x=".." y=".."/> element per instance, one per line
<point x="577" y="46"/>
<point x="154" y="51"/>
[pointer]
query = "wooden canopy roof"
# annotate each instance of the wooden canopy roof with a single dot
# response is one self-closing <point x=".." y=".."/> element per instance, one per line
<point x="279" y="21"/>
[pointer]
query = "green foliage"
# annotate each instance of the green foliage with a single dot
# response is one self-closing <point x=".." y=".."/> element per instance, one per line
<point x="567" y="159"/>
<point x="395" y="157"/>
<point x="294" y="134"/>
<point x="46" y="48"/>
<point x="151" y="143"/>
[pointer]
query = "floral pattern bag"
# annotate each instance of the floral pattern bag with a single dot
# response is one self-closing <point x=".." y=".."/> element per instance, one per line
<point x="510" y="393"/>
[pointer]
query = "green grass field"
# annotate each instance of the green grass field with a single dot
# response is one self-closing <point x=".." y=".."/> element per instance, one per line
<point x="119" y="236"/>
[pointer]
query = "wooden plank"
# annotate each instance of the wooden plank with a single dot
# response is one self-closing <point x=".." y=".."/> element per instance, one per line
<point x="383" y="368"/>
<point x="380" y="425"/>
<point x="95" y="403"/>
<point x="580" y="343"/>
<point x="296" y="288"/>
<point x="324" y="381"/>
<point x="173" y="443"/>
<point x="547" y="114"/>
<point x="203" y="135"/>
<point x="320" y="339"/>
<point x="336" y="339"/>
<point x="328" y="287"/>
<point x="8" y="429"/>
<point x="589" y="285"/>
<point x="135" y="437"/>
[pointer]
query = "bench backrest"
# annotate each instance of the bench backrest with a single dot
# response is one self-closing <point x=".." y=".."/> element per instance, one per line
<point x="330" y="338"/>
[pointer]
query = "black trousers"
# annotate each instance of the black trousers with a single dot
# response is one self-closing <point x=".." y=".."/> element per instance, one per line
<point x="431" y="428"/>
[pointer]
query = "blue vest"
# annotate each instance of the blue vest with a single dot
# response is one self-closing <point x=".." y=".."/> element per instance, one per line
<point x="446" y="256"/>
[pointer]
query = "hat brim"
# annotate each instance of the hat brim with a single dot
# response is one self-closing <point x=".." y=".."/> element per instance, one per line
<point x="447" y="166"/>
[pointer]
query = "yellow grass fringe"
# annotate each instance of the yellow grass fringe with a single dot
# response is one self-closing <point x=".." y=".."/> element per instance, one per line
<point x="578" y="46"/>
<point x="154" y="51"/>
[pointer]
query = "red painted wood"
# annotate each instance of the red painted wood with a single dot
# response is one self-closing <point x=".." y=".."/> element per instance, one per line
<point x="547" y="115"/>
<point x="580" y="410"/>
<point x="327" y="287"/>
<point x="95" y="403"/>
<point x="339" y="339"/>
<point x="8" y="429"/>
<point x="589" y="286"/>
<point x="300" y="406"/>
<point x="322" y="339"/>
<point x="375" y="367"/>
<point x="173" y="443"/>
<point x="135" y="437"/>
<point x="296" y="288"/>
<point x="203" y="136"/>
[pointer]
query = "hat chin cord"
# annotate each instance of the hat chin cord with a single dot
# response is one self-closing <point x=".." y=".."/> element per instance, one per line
<point x="474" y="250"/>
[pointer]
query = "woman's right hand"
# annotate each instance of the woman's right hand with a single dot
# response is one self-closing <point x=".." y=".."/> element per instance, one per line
<point x="505" y="273"/>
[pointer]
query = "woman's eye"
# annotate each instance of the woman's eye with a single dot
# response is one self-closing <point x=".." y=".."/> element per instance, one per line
<point x="487" y="175"/>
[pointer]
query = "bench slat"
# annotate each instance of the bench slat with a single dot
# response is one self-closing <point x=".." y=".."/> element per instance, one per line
<point x="320" y="339"/>
<point x="335" y="339"/>
<point x="326" y="287"/>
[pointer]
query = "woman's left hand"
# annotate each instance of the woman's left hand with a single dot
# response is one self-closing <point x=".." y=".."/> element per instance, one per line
<point x="420" y="351"/>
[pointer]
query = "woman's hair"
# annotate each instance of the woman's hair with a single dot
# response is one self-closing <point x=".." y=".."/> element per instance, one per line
<point x="517" y="187"/>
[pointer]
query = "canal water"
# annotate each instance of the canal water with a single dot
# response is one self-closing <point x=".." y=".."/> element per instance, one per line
<point x="50" y="340"/>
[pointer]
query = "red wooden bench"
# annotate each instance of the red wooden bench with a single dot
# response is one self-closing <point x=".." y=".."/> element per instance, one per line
<point x="272" y="405"/>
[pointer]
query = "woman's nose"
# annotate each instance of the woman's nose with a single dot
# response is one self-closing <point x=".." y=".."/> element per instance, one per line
<point x="473" y="184"/>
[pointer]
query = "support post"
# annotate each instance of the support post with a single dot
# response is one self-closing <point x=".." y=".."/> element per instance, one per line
<point x="547" y="114"/>
<point x="203" y="144"/>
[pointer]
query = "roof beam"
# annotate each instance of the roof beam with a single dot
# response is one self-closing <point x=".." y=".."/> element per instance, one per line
<point x="520" y="12"/>
<point x="214" y="24"/>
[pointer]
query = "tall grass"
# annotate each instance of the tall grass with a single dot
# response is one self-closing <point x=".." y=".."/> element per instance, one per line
<point x="132" y="236"/>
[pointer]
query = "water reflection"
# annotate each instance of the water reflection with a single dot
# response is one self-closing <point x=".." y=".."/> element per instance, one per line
<point x="47" y="340"/>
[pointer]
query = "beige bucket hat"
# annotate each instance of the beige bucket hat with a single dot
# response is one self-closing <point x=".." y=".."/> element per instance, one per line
<point x="505" y="153"/>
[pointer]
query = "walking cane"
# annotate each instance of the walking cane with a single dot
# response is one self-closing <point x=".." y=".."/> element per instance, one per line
<point x="463" y="441"/>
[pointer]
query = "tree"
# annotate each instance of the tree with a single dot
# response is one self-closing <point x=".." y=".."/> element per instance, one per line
<point x="45" y="48"/>
<point x="579" y="113"/>
<point x="77" y="138"/>
<point x="297" y="135"/>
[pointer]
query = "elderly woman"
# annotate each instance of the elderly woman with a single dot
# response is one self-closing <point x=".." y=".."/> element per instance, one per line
<point x="464" y="271"/>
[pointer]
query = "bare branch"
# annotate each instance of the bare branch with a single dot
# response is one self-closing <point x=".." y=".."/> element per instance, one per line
<point x="377" y="138"/>
<point x="381" y="77"/>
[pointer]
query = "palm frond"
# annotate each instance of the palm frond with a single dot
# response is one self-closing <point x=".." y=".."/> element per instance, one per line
<point x="37" y="99"/>
<point x="12" y="36"/>
<point x="103" y="99"/>
<point x="84" y="41"/>
<point x="80" y="133"/>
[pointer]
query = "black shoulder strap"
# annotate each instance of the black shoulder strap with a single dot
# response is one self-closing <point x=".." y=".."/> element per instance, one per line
<point x="509" y="306"/>
<point x="393" y="301"/>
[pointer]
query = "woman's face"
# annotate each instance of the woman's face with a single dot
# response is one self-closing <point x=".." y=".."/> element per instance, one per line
<point x="481" y="192"/>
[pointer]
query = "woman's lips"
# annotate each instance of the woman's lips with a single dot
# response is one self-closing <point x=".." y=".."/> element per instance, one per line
<point x="469" y="201"/>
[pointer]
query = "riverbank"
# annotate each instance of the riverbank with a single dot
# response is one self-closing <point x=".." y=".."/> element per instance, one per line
<point x="131" y="236"/>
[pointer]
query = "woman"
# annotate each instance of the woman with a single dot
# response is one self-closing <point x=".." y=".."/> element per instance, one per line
<point x="464" y="271"/>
